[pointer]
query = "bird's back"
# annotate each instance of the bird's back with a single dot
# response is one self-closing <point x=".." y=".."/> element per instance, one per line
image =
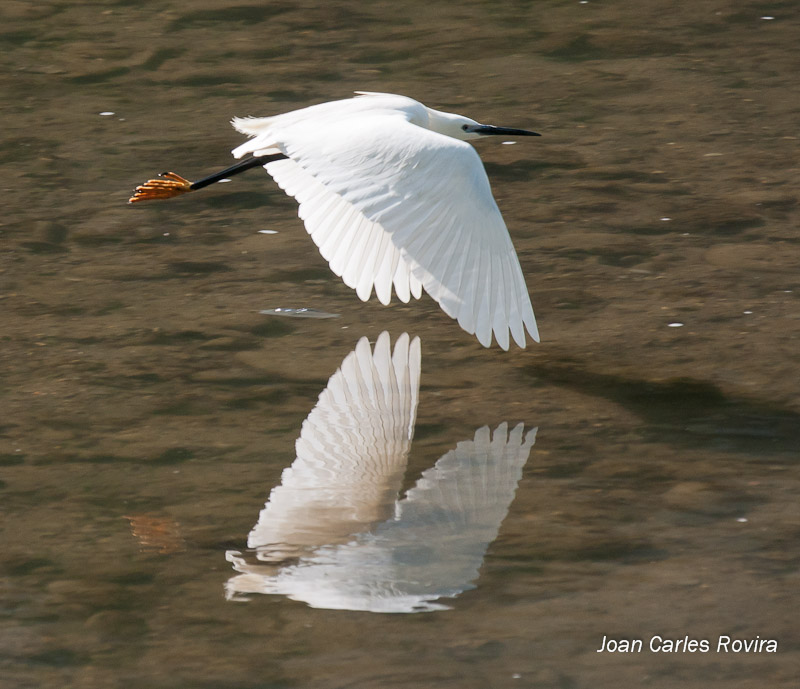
<point x="325" y="114"/>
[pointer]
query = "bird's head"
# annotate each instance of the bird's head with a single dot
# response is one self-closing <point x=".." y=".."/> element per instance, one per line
<point x="465" y="129"/>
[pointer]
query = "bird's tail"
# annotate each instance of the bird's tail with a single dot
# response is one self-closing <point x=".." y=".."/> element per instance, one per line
<point x="258" y="129"/>
<point x="252" y="126"/>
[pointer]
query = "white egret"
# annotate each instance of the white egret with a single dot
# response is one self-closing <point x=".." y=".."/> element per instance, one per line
<point x="392" y="196"/>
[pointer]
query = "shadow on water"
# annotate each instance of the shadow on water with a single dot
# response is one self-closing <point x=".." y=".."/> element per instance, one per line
<point x="687" y="411"/>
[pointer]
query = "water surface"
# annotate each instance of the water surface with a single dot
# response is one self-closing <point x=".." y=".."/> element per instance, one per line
<point x="149" y="408"/>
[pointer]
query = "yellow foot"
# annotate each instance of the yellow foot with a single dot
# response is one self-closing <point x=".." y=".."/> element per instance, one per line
<point x="168" y="185"/>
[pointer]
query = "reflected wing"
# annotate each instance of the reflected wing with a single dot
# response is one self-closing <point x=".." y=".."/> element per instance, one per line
<point x="351" y="453"/>
<point x="433" y="548"/>
<point x="448" y="519"/>
<point x="390" y="203"/>
<point x="469" y="490"/>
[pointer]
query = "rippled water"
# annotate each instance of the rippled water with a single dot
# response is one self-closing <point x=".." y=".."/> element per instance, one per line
<point x="149" y="406"/>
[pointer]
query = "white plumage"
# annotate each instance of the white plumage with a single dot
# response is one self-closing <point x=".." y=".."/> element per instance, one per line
<point x="394" y="197"/>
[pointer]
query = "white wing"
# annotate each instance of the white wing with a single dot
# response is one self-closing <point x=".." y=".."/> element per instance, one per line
<point x="433" y="548"/>
<point x="388" y="202"/>
<point x="351" y="453"/>
<point x="340" y="230"/>
<point x="469" y="490"/>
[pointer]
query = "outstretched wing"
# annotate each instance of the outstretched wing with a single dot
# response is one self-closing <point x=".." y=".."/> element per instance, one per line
<point x="470" y="489"/>
<point x="390" y="203"/>
<point x="351" y="453"/>
<point x="432" y="548"/>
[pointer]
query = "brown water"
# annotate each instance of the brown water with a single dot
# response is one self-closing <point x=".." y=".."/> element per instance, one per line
<point x="147" y="408"/>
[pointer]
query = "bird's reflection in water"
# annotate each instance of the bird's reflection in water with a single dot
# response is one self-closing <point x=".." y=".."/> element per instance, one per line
<point x="335" y="533"/>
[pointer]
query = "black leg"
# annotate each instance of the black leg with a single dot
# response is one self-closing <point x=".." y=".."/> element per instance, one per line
<point x="258" y="161"/>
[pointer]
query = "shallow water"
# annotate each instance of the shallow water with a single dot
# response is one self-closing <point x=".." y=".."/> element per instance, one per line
<point x="149" y="408"/>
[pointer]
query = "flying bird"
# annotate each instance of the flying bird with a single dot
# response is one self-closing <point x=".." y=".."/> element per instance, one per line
<point x="393" y="196"/>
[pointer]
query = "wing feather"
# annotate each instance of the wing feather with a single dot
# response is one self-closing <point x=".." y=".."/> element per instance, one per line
<point x="342" y="237"/>
<point x="466" y="287"/>
<point x="351" y="453"/>
<point x="400" y="280"/>
<point x="500" y="324"/>
<point x="450" y="267"/>
<point x="483" y="323"/>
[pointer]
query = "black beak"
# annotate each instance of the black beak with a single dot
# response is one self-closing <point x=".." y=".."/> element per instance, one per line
<point x="489" y="129"/>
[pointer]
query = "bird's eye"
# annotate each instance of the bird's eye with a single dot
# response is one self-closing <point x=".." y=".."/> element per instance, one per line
<point x="465" y="127"/>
